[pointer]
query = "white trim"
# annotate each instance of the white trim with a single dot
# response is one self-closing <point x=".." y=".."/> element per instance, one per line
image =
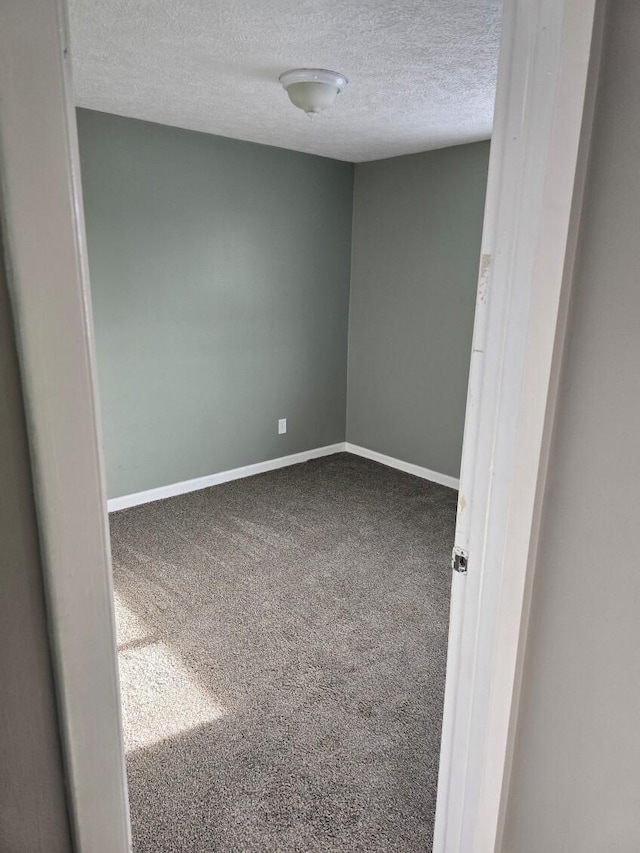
<point x="537" y="166"/>
<point x="43" y="225"/>
<point x="547" y="325"/>
<point x="209" y="480"/>
<point x="407" y="467"/>
<point x="194" y="485"/>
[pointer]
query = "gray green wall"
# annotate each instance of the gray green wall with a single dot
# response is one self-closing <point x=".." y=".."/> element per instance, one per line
<point x="220" y="285"/>
<point x="575" y="784"/>
<point x="417" y="224"/>
<point x="228" y="293"/>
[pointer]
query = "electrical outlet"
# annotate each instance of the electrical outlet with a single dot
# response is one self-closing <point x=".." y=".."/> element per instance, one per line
<point x="282" y="426"/>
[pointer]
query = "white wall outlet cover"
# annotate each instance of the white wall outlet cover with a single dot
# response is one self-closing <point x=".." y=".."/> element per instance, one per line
<point x="282" y="426"/>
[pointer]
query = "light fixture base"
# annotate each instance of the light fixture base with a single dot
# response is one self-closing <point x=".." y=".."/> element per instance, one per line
<point x="313" y="89"/>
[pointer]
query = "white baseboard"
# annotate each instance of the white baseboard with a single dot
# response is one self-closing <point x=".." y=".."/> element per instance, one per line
<point x="407" y="467"/>
<point x="198" y="483"/>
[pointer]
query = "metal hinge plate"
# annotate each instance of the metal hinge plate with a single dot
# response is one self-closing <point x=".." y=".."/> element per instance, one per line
<point x="459" y="560"/>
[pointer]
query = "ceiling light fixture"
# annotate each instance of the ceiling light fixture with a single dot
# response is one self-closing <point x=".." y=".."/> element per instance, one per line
<point x="312" y="89"/>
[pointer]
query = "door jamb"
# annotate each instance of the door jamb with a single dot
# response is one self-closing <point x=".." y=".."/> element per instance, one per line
<point x="43" y="223"/>
<point x="548" y="69"/>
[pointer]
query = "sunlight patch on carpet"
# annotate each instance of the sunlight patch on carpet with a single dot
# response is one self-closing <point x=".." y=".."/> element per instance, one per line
<point x="160" y="696"/>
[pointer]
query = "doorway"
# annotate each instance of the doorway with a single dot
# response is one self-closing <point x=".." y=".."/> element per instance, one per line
<point x="255" y="307"/>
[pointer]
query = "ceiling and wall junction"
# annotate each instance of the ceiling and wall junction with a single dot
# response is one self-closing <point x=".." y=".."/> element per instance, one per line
<point x="422" y="72"/>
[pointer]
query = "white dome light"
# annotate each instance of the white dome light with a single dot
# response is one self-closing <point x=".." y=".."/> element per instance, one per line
<point x="313" y="89"/>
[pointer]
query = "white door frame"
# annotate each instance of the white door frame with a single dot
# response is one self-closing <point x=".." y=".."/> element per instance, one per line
<point x="547" y="77"/>
<point x="43" y="225"/>
<point x="536" y="175"/>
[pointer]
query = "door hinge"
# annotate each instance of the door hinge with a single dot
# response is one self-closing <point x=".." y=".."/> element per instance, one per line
<point x="459" y="560"/>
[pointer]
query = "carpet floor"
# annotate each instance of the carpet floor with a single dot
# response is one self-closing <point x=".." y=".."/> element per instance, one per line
<point x="282" y="646"/>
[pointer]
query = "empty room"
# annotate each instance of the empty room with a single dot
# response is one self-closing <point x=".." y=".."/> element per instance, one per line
<point x="283" y="307"/>
<point x="274" y="333"/>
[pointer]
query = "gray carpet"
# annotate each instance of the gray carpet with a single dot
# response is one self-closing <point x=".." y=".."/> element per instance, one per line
<point x="282" y="650"/>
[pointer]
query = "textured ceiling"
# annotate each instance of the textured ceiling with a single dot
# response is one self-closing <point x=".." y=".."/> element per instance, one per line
<point x="422" y="72"/>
